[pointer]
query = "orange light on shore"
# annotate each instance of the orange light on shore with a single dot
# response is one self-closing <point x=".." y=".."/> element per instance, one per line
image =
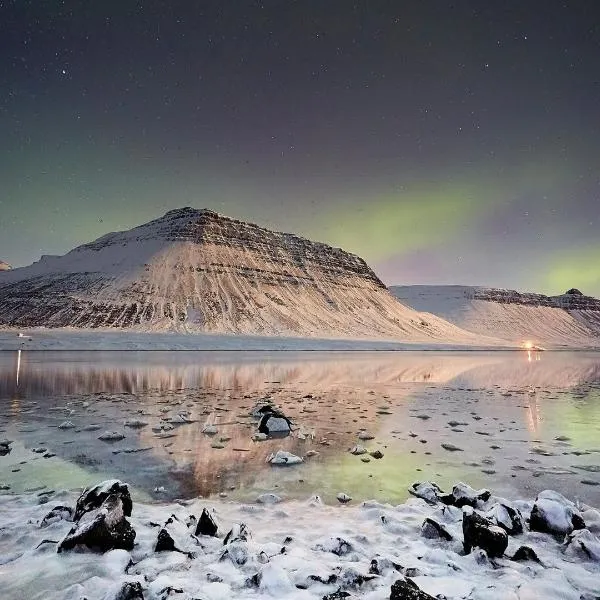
<point x="528" y="345"/>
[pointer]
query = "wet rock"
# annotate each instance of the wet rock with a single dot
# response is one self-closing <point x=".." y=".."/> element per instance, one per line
<point x="584" y="545"/>
<point x="432" y="530"/>
<point x="207" y="524"/>
<point x="525" y="553"/>
<point x="365" y="435"/>
<point x="130" y="590"/>
<point x="269" y="498"/>
<point x="377" y="454"/>
<point x="553" y="513"/>
<point x="464" y="495"/>
<point x="343" y="498"/>
<point x="135" y="424"/>
<point x="111" y="436"/>
<point x="283" y="458"/>
<point x="93" y="497"/>
<point x="482" y="533"/>
<point x="451" y="447"/>
<point x="58" y="513"/>
<point x="104" y="528"/>
<point x="426" y="490"/>
<point x="506" y="516"/>
<point x="405" y="589"/>
<point x="358" y="450"/>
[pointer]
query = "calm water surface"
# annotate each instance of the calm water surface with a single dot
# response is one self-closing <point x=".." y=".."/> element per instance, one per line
<point x="521" y="423"/>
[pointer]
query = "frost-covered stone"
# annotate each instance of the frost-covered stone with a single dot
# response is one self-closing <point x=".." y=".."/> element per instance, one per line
<point x="174" y="536"/>
<point x="427" y="490"/>
<point x="405" y="589"/>
<point x="238" y="533"/>
<point x="66" y="425"/>
<point x="584" y="545"/>
<point x="58" y="513"/>
<point x="269" y="498"/>
<point x="525" y="553"/>
<point x="433" y="530"/>
<point x="482" y="533"/>
<point x="553" y="513"/>
<point x="283" y="458"/>
<point x="464" y="495"/>
<point x="506" y="516"/>
<point x="129" y="590"/>
<point x="343" y="498"/>
<point x="358" y="450"/>
<point x="336" y="545"/>
<point x="94" y="496"/>
<point x="104" y="528"/>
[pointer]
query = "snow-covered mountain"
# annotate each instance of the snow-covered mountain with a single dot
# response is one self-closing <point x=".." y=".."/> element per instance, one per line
<point x="570" y="319"/>
<point x="197" y="271"/>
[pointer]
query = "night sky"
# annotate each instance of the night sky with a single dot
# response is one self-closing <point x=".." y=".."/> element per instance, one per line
<point x="444" y="142"/>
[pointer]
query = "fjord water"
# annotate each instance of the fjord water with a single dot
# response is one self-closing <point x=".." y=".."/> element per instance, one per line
<point x="514" y="422"/>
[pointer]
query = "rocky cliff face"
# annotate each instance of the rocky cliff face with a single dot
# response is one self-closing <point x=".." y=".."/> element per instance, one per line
<point x="571" y="319"/>
<point x="195" y="270"/>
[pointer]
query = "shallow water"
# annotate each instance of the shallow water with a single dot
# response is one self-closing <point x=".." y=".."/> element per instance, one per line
<point x="521" y="423"/>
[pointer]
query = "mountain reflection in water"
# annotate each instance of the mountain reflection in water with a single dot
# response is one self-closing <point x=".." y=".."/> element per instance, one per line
<point x="508" y="406"/>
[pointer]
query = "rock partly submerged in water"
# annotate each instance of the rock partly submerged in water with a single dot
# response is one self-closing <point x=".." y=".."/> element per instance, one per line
<point x="283" y="458"/>
<point x="94" y="496"/>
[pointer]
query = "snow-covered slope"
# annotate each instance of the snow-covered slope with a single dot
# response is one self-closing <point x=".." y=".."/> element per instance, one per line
<point x="197" y="271"/>
<point x="571" y="319"/>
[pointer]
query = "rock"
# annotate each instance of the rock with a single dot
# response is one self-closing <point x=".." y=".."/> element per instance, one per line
<point x="482" y="533"/>
<point x="94" y="497"/>
<point x="525" y="553"/>
<point x="207" y="524"/>
<point x="426" y="490"/>
<point x="58" y="513"/>
<point x="464" y="495"/>
<point x="507" y="517"/>
<point x="281" y="457"/>
<point x="5" y="447"/>
<point x="353" y="579"/>
<point x="130" y="590"/>
<point x="451" y="447"/>
<point x="111" y="436"/>
<point x="274" y="422"/>
<point x="358" y="450"/>
<point x="365" y="435"/>
<point x="238" y="533"/>
<point x="210" y="429"/>
<point x="67" y="425"/>
<point x="433" y="530"/>
<point x="104" y="528"/>
<point x="377" y="454"/>
<point x="275" y="581"/>
<point x="337" y="595"/>
<point x="405" y="589"/>
<point x="269" y="498"/>
<point x="343" y="498"/>
<point x="584" y="545"/>
<point x="336" y="545"/>
<point x="174" y="536"/>
<point x="553" y="513"/>
<point x="135" y="424"/>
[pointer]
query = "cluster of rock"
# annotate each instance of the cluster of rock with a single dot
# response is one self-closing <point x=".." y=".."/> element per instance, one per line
<point x="474" y="517"/>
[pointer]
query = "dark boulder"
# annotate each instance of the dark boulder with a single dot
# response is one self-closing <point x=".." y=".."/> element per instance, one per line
<point x="174" y="536"/>
<point x="273" y="422"/>
<point x="405" y="589"/>
<point x="5" y="447"/>
<point x="338" y="595"/>
<point x="483" y="533"/>
<point x="433" y="530"/>
<point x="102" y="529"/>
<point x="130" y="590"/>
<point x="525" y="553"/>
<point x="94" y="497"/>
<point x="553" y="513"/>
<point x="207" y="524"/>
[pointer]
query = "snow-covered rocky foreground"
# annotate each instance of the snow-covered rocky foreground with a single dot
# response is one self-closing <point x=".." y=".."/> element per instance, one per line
<point x="303" y="550"/>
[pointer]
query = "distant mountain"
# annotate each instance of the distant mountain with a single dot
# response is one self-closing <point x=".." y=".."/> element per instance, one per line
<point x="4" y="266"/>
<point x="571" y="319"/>
<point x="198" y="271"/>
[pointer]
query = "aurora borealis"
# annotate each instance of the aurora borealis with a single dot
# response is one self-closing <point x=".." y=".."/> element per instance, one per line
<point x="445" y="142"/>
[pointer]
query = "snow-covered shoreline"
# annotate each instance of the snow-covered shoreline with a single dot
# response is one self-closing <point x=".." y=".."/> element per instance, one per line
<point x="297" y="550"/>
<point x="111" y="339"/>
